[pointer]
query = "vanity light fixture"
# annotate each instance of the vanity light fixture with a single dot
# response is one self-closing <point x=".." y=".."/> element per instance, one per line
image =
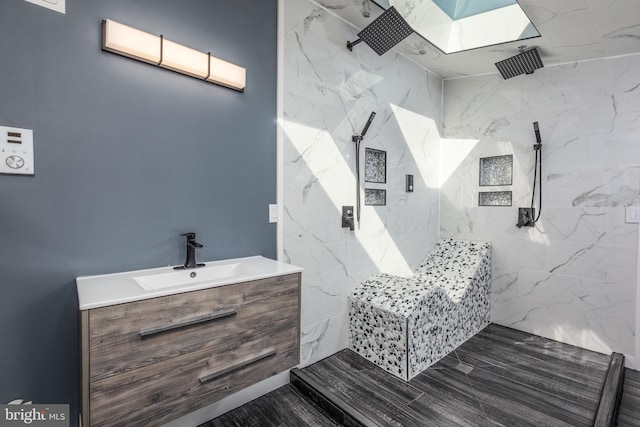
<point x="156" y="50"/>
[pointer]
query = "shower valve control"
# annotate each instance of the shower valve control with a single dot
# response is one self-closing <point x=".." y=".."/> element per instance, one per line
<point x="16" y="151"/>
<point x="526" y="217"/>
<point x="347" y="217"/>
<point x="409" y="184"/>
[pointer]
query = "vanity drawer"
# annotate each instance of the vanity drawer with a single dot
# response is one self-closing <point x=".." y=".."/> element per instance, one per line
<point x="156" y="394"/>
<point x="130" y="336"/>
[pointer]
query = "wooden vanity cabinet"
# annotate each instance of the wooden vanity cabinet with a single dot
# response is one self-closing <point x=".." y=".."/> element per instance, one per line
<point x="148" y="362"/>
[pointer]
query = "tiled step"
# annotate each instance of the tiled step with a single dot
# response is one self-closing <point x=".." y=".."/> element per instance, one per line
<point x="283" y="407"/>
<point x="629" y="410"/>
<point x="515" y="379"/>
<point x="348" y="415"/>
<point x="611" y="392"/>
<point x="511" y="378"/>
<point x="331" y="403"/>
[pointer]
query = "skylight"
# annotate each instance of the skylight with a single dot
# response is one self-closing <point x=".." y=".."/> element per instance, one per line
<point x="458" y="25"/>
<point x="458" y="9"/>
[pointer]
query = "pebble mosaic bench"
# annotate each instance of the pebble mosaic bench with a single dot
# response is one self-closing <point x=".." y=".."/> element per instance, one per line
<point x="404" y="325"/>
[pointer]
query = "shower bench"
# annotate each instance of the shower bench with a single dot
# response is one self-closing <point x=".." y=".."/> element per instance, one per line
<point x="404" y="325"/>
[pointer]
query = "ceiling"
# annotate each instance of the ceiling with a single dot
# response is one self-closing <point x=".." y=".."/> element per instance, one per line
<point x="572" y="30"/>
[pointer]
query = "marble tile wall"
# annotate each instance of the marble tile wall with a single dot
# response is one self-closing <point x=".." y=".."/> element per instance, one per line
<point x="329" y="93"/>
<point x="573" y="277"/>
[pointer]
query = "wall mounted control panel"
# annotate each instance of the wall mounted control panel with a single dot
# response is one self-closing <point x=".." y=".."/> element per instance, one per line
<point x="16" y="151"/>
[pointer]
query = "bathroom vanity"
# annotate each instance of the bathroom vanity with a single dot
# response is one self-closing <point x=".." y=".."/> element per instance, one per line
<point x="158" y="344"/>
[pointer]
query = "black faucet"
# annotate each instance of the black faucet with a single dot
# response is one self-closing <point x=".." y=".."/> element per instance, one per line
<point x="190" y="262"/>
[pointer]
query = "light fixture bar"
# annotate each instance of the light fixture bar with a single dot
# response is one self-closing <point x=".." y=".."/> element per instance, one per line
<point x="157" y="50"/>
<point x="184" y="60"/>
<point x="130" y="42"/>
<point x="227" y="74"/>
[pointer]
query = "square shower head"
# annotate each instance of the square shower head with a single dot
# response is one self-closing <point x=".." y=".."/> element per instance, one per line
<point x="523" y="63"/>
<point x="386" y="31"/>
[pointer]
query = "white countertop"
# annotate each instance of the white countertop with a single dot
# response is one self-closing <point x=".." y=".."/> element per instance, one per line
<point x="111" y="289"/>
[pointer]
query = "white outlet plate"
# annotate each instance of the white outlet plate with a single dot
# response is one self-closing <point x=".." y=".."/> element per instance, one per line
<point x="57" y="5"/>
<point x="16" y="151"/>
<point x="273" y="213"/>
<point x="632" y="214"/>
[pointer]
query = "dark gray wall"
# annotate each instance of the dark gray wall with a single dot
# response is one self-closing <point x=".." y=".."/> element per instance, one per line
<point x="128" y="156"/>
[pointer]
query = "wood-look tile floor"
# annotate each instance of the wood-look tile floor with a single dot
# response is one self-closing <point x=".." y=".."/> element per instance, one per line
<point x="283" y="407"/>
<point x="629" y="412"/>
<point x="516" y="379"/>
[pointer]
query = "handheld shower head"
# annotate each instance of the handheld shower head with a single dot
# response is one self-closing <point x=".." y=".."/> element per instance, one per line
<point x="366" y="127"/>
<point x="358" y="138"/>
<point x="538" y="144"/>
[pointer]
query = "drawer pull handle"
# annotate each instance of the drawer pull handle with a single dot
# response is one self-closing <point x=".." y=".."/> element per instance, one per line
<point x="154" y="330"/>
<point x="210" y="377"/>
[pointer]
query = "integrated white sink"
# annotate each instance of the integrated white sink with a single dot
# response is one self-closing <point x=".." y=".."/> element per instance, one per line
<point x="110" y="289"/>
<point x="213" y="274"/>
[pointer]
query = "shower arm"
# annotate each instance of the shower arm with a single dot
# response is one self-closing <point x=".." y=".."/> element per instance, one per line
<point x="350" y="45"/>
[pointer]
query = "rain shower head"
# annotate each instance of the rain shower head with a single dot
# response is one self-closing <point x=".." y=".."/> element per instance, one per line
<point x="386" y="31"/>
<point x="526" y="62"/>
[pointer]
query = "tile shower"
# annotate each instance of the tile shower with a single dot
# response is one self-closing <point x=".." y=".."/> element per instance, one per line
<point x="572" y="278"/>
<point x="329" y="93"/>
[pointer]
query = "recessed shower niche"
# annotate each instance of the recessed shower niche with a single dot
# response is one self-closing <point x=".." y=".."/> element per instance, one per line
<point x="375" y="197"/>
<point x="496" y="170"/>
<point x="375" y="171"/>
<point x="375" y="166"/>
<point x="494" y="198"/>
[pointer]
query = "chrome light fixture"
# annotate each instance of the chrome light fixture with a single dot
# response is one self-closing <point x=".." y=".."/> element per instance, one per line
<point x="156" y="50"/>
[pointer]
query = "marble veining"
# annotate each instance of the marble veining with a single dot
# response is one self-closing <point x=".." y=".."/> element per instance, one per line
<point x="329" y="92"/>
<point x="572" y="277"/>
<point x="404" y="325"/>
